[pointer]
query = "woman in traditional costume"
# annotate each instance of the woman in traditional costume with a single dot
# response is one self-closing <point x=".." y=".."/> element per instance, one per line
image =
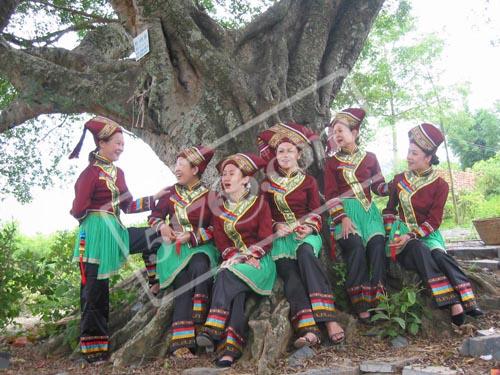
<point x="356" y="224"/>
<point x="243" y="234"/>
<point x="182" y="217"/>
<point x="103" y="242"/>
<point x="412" y="218"/>
<point x="295" y="206"/>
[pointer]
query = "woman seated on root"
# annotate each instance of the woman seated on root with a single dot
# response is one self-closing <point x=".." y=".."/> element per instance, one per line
<point x="413" y="215"/>
<point x="243" y="233"/>
<point x="293" y="196"/>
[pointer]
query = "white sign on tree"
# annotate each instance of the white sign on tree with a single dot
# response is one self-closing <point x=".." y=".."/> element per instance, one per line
<point x="141" y="45"/>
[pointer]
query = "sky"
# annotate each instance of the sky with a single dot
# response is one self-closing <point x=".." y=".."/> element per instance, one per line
<point x="469" y="55"/>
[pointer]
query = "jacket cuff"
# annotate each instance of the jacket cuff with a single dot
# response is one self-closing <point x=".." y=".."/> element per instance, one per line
<point x="315" y="222"/>
<point x="336" y="210"/>
<point x="383" y="189"/>
<point x="389" y="220"/>
<point x="229" y="253"/>
<point x="200" y="236"/>
<point x="155" y="223"/>
<point x="423" y="230"/>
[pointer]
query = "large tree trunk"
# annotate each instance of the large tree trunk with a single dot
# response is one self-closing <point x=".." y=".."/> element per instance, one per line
<point x="200" y="82"/>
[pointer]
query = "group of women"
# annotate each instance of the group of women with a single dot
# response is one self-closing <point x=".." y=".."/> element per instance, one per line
<point x="217" y="248"/>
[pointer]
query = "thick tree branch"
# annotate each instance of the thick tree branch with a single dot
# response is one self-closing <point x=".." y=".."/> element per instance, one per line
<point x="75" y="11"/>
<point x="109" y="42"/>
<point x="47" y="38"/>
<point x="20" y="111"/>
<point x="127" y="14"/>
<point x="6" y="10"/>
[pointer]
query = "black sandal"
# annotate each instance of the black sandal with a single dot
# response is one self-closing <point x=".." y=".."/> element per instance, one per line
<point x="203" y="340"/>
<point x="305" y="341"/>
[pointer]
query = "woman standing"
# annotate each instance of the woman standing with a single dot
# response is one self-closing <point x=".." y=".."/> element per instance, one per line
<point x="293" y="197"/>
<point x="413" y="215"/>
<point x="356" y="222"/>
<point x="243" y="234"/>
<point x="103" y="243"/>
<point x="182" y="217"/>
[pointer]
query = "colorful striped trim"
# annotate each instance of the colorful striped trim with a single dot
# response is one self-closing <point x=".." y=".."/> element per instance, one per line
<point x="322" y="302"/>
<point x="217" y="318"/>
<point x="465" y="292"/>
<point x="177" y="199"/>
<point x="94" y="344"/>
<point x="440" y="286"/>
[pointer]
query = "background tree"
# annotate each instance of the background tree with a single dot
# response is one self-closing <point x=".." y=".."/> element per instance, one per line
<point x="390" y="79"/>
<point x="474" y="136"/>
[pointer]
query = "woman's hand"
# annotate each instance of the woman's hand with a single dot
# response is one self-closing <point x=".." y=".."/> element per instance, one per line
<point x="283" y="230"/>
<point x="182" y="237"/>
<point x="160" y="194"/>
<point x="167" y="233"/>
<point x="303" y="231"/>
<point x="400" y="241"/>
<point x="348" y="227"/>
<point x="254" y="262"/>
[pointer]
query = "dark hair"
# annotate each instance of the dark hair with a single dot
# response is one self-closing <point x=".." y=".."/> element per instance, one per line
<point x="432" y="154"/>
<point x="92" y="154"/>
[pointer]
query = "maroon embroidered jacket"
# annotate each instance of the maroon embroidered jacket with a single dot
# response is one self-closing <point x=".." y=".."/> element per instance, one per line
<point x="293" y="199"/>
<point x="244" y="228"/>
<point x="366" y="172"/>
<point x="185" y="210"/>
<point x="427" y="202"/>
<point x="101" y="187"/>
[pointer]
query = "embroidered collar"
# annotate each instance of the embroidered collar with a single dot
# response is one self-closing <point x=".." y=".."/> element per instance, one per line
<point x="293" y="173"/>
<point x="427" y="172"/>
<point x="101" y="158"/>
<point x="193" y="187"/>
<point x="343" y="151"/>
<point x="244" y="196"/>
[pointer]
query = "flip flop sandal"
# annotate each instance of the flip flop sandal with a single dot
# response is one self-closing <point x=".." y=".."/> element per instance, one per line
<point x="305" y="341"/>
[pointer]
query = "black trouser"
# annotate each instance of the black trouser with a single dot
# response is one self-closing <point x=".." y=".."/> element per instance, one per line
<point x="416" y="256"/>
<point x="190" y="307"/>
<point x="147" y="242"/>
<point x="94" y="300"/>
<point x="460" y="282"/>
<point x="305" y="281"/>
<point x="226" y="322"/>
<point x="366" y="270"/>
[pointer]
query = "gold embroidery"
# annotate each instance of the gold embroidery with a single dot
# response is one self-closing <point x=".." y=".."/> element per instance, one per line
<point x="238" y="209"/>
<point x="109" y="127"/>
<point x="109" y="176"/>
<point x="181" y="208"/>
<point x="289" y="184"/>
<point x="353" y="161"/>
<point x="282" y="131"/>
<point x="405" y="195"/>
<point x="420" y="137"/>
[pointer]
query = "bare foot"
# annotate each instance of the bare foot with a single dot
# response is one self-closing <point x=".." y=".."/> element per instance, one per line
<point x="364" y="315"/>
<point x="155" y="289"/>
<point x="335" y="332"/>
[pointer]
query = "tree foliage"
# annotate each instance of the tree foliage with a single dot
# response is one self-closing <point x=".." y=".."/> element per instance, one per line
<point x="474" y="136"/>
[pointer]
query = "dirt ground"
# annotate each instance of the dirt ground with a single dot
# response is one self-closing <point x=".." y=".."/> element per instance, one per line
<point x="441" y="350"/>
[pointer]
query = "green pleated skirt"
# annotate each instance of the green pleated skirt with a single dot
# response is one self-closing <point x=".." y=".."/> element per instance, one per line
<point x="169" y="263"/>
<point x="433" y="241"/>
<point x="368" y="223"/>
<point x="260" y="280"/>
<point x="106" y="243"/>
<point x="286" y="247"/>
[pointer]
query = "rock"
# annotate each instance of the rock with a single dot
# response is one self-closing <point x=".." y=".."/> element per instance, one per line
<point x="4" y="360"/>
<point x="204" y="371"/>
<point x="377" y="366"/>
<point x="343" y="368"/>
<point x="300" y="355"/>
<point x="485" y="264"/>
<point x="399" y="342"/>
<point x="431" y="370"/>
<point x="488" y="332"/>
<point x="481" y="345"/>
<point x="270" y="333"/>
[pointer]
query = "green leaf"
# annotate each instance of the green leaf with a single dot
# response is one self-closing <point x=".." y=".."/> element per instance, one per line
<point x="378" y="316"/>
<point x="400" y="321"/>
<point x="413" y="328"/>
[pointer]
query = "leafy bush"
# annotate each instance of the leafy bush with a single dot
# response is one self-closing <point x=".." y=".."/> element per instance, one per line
<point x="489" y="176"/>
<point x="10" y="275"/>
<point x="400" y="312"/>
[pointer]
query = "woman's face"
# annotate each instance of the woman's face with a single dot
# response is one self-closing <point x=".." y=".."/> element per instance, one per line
<point x="417" y="159"/>
<point x="113" y="147"/>
<point x="343" y="135"/>
<point x="233" y="180"/>
<point x="184" y="172"/>
<point x="288" y="156"/>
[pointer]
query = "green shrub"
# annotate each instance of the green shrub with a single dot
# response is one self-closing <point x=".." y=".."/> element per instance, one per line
<point x="399" y="312"/>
